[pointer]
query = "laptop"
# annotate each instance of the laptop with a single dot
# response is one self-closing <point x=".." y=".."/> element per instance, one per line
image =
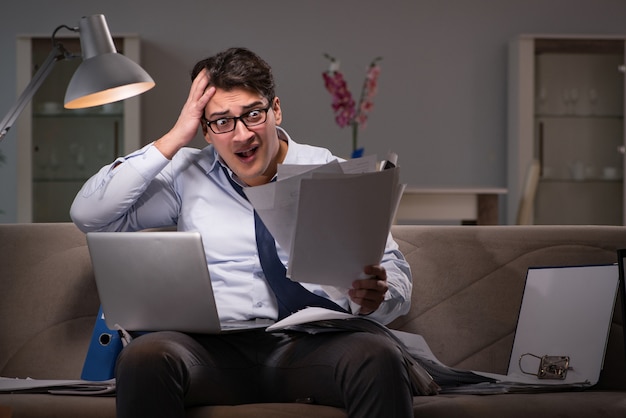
<point x="563" y="325"/>
<point x="155" y="281"/>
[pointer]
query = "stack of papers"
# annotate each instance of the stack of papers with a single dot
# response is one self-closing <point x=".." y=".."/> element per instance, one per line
<point x="57" y="387"/>
<point x="333" y="219"/>
<point x="445" y="379"/>
<point x="314" y="320"/>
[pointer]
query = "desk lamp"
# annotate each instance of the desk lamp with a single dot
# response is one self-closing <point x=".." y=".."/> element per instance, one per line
<point x="104" y="76"/>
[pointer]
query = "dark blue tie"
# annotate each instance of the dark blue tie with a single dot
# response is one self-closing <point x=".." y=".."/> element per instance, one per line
<point x="291" y="296"/>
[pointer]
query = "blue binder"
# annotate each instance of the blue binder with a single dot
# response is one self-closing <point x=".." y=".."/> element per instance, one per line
<point x="104" y="348"/>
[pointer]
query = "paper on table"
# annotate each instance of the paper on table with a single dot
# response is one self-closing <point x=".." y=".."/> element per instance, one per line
<point x="342" y="226"/>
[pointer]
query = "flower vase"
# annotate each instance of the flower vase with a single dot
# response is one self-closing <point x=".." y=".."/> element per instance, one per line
<point x="357" y="153"/>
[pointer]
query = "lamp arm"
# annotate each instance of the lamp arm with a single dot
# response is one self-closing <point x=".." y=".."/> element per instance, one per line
<point x="58" y="53"/>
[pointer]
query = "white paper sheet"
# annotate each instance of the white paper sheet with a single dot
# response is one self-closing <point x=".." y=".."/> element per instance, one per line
<point x="342" y="226"/>
<point x="365" y="164"/>
<point x="331" y="219"/>
<point x="277" y="202"/>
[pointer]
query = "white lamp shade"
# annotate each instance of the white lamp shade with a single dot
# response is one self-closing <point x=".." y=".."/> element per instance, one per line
<point x="104" y="76"/>
<point x="104" y="79"/>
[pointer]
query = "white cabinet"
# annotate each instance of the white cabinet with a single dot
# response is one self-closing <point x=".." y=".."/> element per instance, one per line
<point x="566" y="110"/>
<point x="58" y="149"/>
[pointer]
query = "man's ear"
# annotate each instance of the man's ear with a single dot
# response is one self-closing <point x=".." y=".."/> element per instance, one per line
<point x="278" y="113"/>
<point x="205" y="131"/>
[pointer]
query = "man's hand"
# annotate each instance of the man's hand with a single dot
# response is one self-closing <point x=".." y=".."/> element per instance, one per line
<point x="370" y="293"/>
<point x="190" y="117"/>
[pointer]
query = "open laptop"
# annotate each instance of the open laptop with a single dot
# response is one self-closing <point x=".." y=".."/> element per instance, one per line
<point x="563" y="325"/>
<point x="154" y="281"/>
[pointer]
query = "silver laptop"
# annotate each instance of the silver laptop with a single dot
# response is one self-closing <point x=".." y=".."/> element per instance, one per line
<point x="563" y="324"/>
<point x="154" y="281"/>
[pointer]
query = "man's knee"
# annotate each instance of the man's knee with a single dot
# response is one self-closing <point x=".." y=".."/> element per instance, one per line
<point x="153" y="353"/>
<point x="374" y="377"/>
<point x="375" y="355"/>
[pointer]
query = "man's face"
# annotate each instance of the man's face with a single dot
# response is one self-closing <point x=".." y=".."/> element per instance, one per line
<point x="253" y="152"/>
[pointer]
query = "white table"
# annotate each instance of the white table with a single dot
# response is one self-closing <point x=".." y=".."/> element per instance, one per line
<point x="425" y="204"/>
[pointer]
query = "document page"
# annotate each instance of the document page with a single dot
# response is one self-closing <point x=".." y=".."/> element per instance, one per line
<point x="342" y="226"/>
<point x="277" y="202"/>
<point x="331" y="219"/>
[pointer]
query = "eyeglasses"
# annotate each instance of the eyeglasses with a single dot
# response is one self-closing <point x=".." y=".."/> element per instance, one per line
<point x="252" y="118"/>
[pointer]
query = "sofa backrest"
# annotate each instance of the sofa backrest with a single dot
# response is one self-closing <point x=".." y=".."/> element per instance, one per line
<point x="48" y="300"/>
<point x="468" y="283"/>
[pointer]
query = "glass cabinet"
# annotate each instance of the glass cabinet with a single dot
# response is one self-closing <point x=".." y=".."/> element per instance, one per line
<point x="566" y="110"/>
<point x="58" y="148"/>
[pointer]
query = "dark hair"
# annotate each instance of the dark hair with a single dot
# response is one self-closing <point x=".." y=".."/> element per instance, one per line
<point x="238" y="68"/>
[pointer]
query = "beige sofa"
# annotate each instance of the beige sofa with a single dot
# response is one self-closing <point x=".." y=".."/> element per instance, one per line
<point x="468" y="285"/>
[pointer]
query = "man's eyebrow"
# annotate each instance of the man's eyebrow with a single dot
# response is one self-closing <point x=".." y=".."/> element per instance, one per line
<point x="244" y="108"/>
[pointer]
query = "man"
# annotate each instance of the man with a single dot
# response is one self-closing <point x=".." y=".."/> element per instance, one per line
<point x="166" y="183"/>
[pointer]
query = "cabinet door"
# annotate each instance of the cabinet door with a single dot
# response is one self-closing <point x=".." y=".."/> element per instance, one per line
<point x="577" y="128"/>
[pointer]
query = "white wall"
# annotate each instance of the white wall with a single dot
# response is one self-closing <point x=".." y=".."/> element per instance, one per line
<point x="442" y="96"/>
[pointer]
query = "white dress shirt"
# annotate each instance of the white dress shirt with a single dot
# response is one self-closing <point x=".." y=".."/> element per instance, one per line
<point x="192" y="192"/>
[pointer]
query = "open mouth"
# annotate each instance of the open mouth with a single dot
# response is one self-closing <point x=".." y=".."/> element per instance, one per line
<point x="248" y="153"/>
